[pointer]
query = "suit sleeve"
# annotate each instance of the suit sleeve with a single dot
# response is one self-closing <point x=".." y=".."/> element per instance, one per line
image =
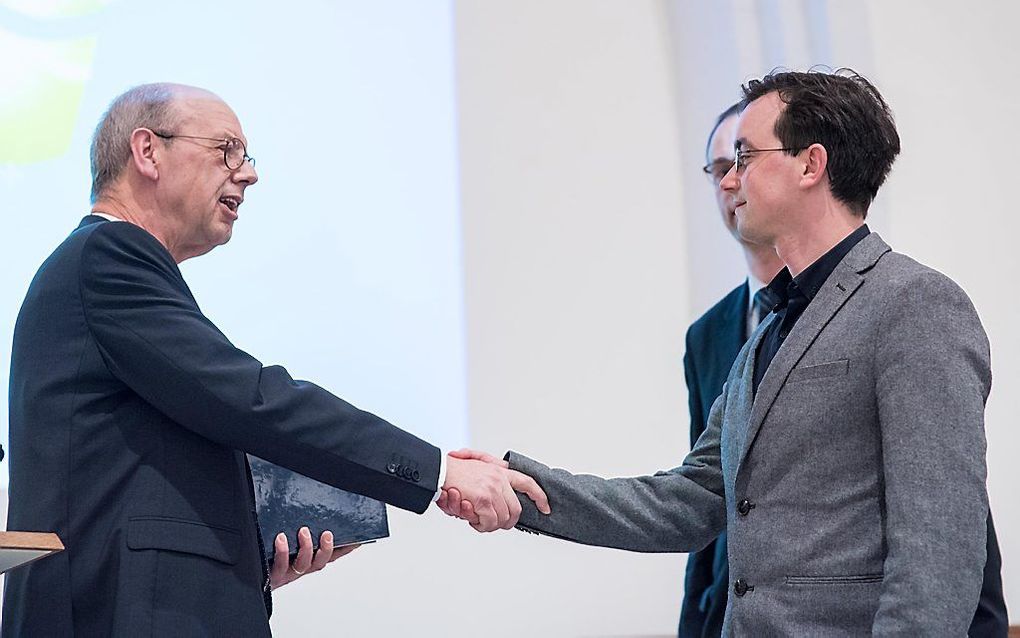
<point x="932" y="380"/>
<point x="153" y="337"/>
<point x="680" y="510"/>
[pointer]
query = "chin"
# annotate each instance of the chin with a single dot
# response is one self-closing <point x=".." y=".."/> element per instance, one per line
<point x="747" y="234"/>
<point x="225" y="233"/>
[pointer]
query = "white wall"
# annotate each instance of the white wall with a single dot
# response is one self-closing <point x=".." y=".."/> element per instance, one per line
<point x="581" y="130"/>
<point x="576" y="303"/>
<point x="577" y="268"/>
<point x="951" y="80"/>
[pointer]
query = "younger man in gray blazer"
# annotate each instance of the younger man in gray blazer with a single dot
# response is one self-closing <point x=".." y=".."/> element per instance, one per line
<point x="846" y="454"/>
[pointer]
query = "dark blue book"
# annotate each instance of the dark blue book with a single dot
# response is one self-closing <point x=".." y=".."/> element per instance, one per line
<point x="288" y="501"/>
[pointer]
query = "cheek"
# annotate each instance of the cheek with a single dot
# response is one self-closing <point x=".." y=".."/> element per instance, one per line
<point x="758" y="190"/>
<point x="721" y="200"/>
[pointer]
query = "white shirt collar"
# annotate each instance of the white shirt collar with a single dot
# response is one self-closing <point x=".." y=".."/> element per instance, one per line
<point x="107" y="217"/>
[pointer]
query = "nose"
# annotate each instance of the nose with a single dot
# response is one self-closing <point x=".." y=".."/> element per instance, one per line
<point x="245" y="174"/>
<point x="730" y="182"/>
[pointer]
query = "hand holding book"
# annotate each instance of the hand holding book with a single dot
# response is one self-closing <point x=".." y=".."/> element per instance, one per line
<point x="307" y="560"/>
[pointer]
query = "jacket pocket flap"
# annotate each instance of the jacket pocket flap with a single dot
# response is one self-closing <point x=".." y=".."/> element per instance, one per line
<point x="820" y="371"/>
<point x="179" y="535"/>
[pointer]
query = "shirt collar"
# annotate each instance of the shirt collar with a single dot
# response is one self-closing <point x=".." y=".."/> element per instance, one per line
<point x="809" y="282"/>
<point x="106" y="216"/>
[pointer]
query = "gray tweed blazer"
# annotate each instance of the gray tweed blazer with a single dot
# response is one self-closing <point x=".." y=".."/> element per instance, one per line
<point x="852" y="486"/>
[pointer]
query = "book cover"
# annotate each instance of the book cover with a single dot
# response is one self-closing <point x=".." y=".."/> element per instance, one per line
<point x="287" y="501"/>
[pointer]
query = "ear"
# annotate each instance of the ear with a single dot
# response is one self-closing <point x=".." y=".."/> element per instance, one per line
<point x="143" y="152"/>
<point x="815" y="162"/>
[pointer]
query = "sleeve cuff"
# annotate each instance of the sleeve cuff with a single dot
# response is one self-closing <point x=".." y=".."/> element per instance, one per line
<point x="442" y="475"/>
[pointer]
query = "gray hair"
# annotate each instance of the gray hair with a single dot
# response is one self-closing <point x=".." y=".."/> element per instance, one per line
<point x="148" y="106"/>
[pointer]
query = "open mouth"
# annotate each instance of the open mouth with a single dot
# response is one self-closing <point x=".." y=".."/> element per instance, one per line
<point x="232" y="202"/>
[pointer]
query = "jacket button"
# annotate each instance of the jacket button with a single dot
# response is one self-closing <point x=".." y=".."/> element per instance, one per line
<point x="416" y="476"/>
<point x="392" y="468"/>
<point x="744" y="507"/>
<point x="740" y="587"/>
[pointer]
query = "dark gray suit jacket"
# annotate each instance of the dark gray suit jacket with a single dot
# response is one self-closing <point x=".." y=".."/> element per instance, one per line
<point x="852" y="486"/>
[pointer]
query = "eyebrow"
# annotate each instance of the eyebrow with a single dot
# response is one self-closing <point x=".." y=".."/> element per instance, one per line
<point x="227" y="136"/>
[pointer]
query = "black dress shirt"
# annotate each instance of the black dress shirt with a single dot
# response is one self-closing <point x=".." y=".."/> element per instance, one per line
<point x="791" y="297"/>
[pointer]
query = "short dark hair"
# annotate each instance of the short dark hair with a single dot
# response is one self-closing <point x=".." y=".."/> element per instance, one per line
<point x="733" y="109"/>
<point x="845" y="113"/>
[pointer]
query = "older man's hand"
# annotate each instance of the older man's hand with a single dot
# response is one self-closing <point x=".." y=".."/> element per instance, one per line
<point x="305" y="562"/>
<point x="480" y="489"/>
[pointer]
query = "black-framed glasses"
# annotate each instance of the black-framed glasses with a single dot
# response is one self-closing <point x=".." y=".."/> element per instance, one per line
<point x="234" y="152"/>
<point x="717" y="169"/>
<point x="740" y="155"/>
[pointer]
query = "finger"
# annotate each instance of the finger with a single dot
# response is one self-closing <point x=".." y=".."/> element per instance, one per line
<point x="324" y="553"/>
<point x="281" y="560"/>
<point x="488" y="519"/>
<point x="526" y="484"/>
<point x="454" y="502"/>
<point x="304" y="555"/>
<point x="468" y="512"/>
<point x="442" y="500"/>
<point x="513" y="507"/>
<point x="499" y="501"/>
<point x="340" y="552"/>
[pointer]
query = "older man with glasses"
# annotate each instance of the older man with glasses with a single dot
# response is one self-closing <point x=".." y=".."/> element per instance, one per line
<point x="131" y="413"/>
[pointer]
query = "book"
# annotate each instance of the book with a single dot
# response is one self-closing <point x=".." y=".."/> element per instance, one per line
<point x="287" y="501"/>
<point x="21" y="548"/>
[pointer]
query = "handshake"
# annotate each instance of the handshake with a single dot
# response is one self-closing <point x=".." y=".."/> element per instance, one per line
<point x="482" y="490"/>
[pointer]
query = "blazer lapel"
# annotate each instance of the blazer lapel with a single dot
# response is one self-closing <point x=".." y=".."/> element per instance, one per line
<point x="739" y="401"/>
<point x="839" y="287"/>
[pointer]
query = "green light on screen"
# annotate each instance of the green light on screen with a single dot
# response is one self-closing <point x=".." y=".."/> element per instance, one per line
<point x="55" y="8"/>
<point x="41" y="94"/>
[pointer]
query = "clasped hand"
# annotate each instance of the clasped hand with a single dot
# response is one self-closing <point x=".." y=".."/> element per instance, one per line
<point x="483" y="490"/>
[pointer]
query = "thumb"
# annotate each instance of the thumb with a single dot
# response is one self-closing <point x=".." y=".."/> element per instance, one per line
<point x="475" y="455"/>
<point x="524" y="483"/>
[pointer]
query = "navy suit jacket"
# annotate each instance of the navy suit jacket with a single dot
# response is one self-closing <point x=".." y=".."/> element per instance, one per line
<point x="130" y="417"/>
<point x="713" y="342"/>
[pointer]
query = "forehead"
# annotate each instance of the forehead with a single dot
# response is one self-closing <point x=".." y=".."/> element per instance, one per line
<point x="721" y="144"/>
<point x="210" y="116"/>
<point x="756" y="124"/>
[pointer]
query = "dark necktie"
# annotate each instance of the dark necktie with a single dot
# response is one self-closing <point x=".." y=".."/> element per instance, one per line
<point x="762" y="305"/>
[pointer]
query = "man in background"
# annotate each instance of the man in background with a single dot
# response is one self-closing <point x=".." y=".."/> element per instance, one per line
<point x="712" y="344"/>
